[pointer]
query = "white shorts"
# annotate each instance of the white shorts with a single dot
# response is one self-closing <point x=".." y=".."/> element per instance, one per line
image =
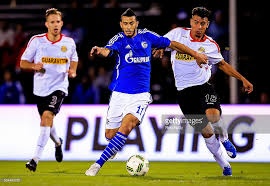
<point x="122" y="104"/>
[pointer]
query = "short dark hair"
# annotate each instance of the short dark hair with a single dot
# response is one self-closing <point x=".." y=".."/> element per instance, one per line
<point x="129" y="13"/>
<point x="201" y="11"/>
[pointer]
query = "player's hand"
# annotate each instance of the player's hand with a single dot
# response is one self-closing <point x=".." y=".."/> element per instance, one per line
<point x="95" y="51"/>
<point x="38" y="67"/>
<point x="71" y="73"/>
<point x="201" y="59"/>
<point x="158" y="53"/>
<point x="248" y="87"/>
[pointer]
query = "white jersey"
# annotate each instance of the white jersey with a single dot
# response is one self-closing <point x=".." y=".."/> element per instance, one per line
<point x="187" y="73"/>
<point x="56" y="57"/>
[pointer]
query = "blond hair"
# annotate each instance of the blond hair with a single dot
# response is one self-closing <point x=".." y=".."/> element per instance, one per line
<point x="53" y="11"/>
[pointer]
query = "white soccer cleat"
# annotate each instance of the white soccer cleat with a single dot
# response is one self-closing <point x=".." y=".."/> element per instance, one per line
<point x="93" y="170"/>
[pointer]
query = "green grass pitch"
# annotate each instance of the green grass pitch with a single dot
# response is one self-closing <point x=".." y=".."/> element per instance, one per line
<point x="69" y="173"/>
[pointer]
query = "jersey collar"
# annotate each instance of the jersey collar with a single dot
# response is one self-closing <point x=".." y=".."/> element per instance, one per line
<point x="61" y="35"/>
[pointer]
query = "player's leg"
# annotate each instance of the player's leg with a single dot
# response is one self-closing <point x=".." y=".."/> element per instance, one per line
<point x="120" y="105"/>
<point x="45" y="126"/>
<point x="220" y="128"/>
<point x="133" y="112"/>
<point x="48" y="107"/>
<point x="58" y="144"/>
<point x="214" y="147"/>
<point x="192" y="102"/>
<point x="58" y="97"/>
<point x="213" y="111"/>
<point x="132" y="107"/>
<point x="116" y="143"/>
<point x="109" y="134"/>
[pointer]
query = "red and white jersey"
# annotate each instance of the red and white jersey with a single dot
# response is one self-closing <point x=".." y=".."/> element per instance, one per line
<point x="187" y="73"/>
<point x="56" y="57"/>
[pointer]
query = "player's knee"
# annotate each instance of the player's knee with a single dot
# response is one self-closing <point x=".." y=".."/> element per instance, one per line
<point x="110" y="133"/>
<point x="47" y="118"/>
<point x="108" y="136"/>
<point x="130" y="121"/>
<point x="213" y="115"/>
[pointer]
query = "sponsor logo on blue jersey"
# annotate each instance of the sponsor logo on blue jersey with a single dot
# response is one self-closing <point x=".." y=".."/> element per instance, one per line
<point x="130" y="59"/>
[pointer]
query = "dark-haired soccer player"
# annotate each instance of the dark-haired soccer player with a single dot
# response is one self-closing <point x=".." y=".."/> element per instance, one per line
<point x="54" y="58"/>
<point x="196" y="97"/>
<point x="131" y="81"/>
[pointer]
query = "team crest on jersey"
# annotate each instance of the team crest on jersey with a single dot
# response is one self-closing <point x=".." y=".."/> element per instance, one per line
<point x="144" y="44"/>
<point x="201" y="50"/>
<point x="63" y="48"/>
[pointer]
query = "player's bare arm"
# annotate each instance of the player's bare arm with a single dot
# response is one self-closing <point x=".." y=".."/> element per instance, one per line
<point x="72" y="69"/>
<point x="200" y="58"/>
<point x="31" y="66"/>
<point x="229" y="70"/>
<point x="100" y="51"/>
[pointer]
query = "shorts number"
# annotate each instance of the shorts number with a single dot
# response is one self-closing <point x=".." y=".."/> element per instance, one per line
<point x="210" y="98"/>
<point x="140" y="110"/>
<point x="54" y="100"/>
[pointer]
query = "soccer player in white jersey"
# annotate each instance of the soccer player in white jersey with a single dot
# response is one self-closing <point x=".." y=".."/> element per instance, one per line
<point x="54" y="59"/>
<point x="196" y="97"/>
<point x="131" y="81"/>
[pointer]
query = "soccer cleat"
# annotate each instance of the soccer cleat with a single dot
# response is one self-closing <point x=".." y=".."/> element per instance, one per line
<point x="230" y="148"/>
<point x="227" y="171"/>
<point x="58" y="152"/>
<point x="31" y="165"/>
<point x="93" y="170"/>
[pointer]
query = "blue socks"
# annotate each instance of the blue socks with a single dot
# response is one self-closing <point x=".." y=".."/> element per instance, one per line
<point x="115" y="145"/>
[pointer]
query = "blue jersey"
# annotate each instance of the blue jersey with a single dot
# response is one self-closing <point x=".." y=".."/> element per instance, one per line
<point x="132" y="70"/>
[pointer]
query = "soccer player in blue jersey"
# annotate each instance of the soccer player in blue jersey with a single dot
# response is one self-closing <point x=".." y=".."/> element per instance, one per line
<point x="130" y="85"/>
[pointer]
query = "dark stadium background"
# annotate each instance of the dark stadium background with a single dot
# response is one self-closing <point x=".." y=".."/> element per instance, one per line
<point x="99" y="20"/>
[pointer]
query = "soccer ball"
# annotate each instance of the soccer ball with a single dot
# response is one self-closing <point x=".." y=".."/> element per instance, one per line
<point x="137" y="165"/>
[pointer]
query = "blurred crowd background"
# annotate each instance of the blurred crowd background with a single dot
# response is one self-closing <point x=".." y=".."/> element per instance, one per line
<point x="94" y="22"/>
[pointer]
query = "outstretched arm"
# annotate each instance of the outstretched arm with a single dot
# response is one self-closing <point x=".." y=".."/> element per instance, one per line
<point x="200" y="58"/>
<point x="229" y="70"/>
<point x="101" y="51"/>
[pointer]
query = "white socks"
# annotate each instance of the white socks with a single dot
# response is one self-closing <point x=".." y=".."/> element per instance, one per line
<point x="54" y="136"/>
<point x="221" y="129"/>
<point x="214" y="147"/>
<point x="42" y="141"/>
